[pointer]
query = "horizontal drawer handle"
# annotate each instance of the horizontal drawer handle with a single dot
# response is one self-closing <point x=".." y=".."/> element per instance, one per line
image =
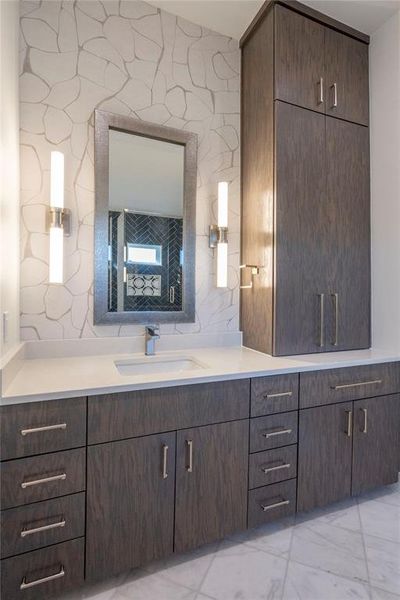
<point x="278" y="395"/>
<point x="344" y="386"/>
<point x="276" y="468"/>
<point x="266" y="507"/>
<point x="26" y="532"/>
<point x="269" y="434"/>
<point x="44" y="428"/>
<point x="26" y="484"/>
<point x="25" y="585"/>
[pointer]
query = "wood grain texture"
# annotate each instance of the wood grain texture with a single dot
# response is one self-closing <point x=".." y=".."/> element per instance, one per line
<point x="324" y="466"/>
<point x="271" y="494"/>
<point x="266" y="398"/>
<point x="16" y="417"/>
<point x="43" y="563"/>
<point x="346" y="64"/>
<point x="130" y="506"/>
<point x="257" y="208"/>
<point x="15" y="472"/>
<point x="211" y="501"/>
<point x="348" y="199"/>
<point x="302" y="229"/>
<point x="71" y="509"/>
<point x="269" y="459"/>
<point x="131" y="414"/>
<point x="376" y="442"/>
<point x="262" y="425"/>
<point x="318" y="387"/>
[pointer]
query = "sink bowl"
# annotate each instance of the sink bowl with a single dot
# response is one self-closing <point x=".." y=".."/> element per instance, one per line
<point x="154" y="365"/>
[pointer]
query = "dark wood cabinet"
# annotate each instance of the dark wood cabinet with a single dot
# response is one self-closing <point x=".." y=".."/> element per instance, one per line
<point x="211" y="483"/>
<point x="130" y="504"/>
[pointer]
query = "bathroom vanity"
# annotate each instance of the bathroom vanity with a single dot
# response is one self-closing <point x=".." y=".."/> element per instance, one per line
<point x="96" y="485"/>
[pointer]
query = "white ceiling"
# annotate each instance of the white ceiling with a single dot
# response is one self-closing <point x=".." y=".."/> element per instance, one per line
<point x="231" y="17"/>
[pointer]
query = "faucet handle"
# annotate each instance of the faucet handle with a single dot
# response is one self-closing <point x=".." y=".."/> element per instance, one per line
<point x="153" y="330"/>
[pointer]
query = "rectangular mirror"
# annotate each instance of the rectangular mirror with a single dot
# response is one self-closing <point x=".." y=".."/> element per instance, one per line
<point x="145" y="211"/>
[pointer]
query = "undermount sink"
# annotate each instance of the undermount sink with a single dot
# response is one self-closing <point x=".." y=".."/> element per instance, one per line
<point x="153" y="365"/>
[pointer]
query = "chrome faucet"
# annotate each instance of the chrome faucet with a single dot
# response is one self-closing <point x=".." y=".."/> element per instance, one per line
<point x="152" y="333"/>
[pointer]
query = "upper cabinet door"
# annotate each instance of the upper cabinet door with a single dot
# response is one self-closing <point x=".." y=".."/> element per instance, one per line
<point x="346" y="75"/>
<point x="299" y="60"/>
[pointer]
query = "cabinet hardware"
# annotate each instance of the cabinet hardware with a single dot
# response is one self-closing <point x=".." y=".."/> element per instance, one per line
<point x="26" y="532"/>
<point x="276" y="468"/>
<point x="321" y="320"/>
<point x="189" y="466"/>
<point x="365" y="428"/>
<point x="335" y="298"/>
<point x="335" y="96"/>
<point x="344" y="386"/>
<point x="24" y="585"/>
<point x="280" y="395"/>
<point x="45" y="428"/>
<point x="26" y="484"/>
<point x="266" y="507"/>
<point x="349" y="414"/>
<point x="172" y="294"/>
<point x="321" y="90"/>
<point x="254" y="271"/>
<point x="165" y="458"/>
<point x="269" y="434"/>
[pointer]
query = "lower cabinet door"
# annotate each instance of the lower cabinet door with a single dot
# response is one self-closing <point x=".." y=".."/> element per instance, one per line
<point x="211" y="483"/>
<point x="376" y="442"/>
<point x="325" y="451"/>
<point x="130" y="504"/>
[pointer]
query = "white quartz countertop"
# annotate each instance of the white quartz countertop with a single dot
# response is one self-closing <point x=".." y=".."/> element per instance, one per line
<point x="72" y="376"/>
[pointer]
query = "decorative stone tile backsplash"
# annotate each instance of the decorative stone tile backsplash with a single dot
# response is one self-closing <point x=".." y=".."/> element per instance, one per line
<point x="129" y="58"/>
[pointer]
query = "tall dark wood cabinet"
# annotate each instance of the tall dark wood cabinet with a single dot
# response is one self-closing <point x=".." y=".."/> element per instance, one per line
<point x="305" y="183"/>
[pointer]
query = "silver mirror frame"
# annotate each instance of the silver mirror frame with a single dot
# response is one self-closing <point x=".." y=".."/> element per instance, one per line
<point x="103" y="121"/>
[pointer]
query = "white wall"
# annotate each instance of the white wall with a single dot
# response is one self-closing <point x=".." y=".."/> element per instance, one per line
<point x="385" y="183"/>
<point x="9" y="173"/>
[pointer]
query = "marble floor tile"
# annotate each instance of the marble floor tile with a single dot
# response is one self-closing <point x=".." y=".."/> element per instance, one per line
<point x="153" y="587"/>
<point x="389" y="494"/>
<point x="274" y="538"/>
<point x="380" y="519"/>
<point x="343" y="514"/>
<point x="377" y="594"/>
<point x="383" y="559"/>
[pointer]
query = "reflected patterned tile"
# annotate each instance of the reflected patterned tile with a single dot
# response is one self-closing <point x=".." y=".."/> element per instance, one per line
<point x="380" y="519"/>
<point x="383" y="559"/>
<point x="274" y="538"/>
<point x="343" y="514"/>
<point x="305" y="583"/>
<point x="331" y="549"/>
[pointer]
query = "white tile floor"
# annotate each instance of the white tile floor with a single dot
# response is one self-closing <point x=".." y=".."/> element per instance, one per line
<point x="348" y="551"/>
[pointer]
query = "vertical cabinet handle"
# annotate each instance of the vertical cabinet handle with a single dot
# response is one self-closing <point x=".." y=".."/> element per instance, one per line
<point x="365" y="427"/>
<point x="189" y="464"/>
<point x="335" y="95"/>
<point x="321" y="90"/>
<point x="321" y="320"/>
<point x="164" y="461"/>
<point x="335" y="298"/>
<point x="349" y="414"/>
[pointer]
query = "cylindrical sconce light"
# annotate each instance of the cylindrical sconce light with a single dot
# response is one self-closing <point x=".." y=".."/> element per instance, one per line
<point x="219" y="235"/>
<point x="59" y="219"/>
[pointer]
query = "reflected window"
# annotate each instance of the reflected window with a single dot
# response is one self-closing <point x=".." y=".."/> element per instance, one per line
<point x="144" y="254"/>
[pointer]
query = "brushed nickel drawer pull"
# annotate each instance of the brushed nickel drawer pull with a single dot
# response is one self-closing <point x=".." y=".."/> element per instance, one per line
<point x="335" y="96"/>
<point x="276" y="468"/>
<point x="266" y="507"/>
<point x="321" y="90"/>
<point x="189" y="466"/>
<point x="26" y="532"/>
<point x="267" y="434"/>
<point x="365" y="428"/>
<point x="278" y="395"/>
<point x="335" y="298"/>
<point x="321" y="320"/>
<point x="349" y="414"/>
<point x="165" y="459"/>
<point x="25" y="585"/>
<point x="344" y="386"/>
<point x="45" y="428"/>
<point x="26" y="484"/>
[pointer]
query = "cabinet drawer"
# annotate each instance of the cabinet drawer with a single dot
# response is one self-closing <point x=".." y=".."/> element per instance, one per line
<point x="43" y="573"/>
<point x="133" y="414"/>
<point x="275" y="394"/>
<point x="272" y="466"/>
<point x="28" y="480"/>
<point x="273" y="432"/>
<point x="348" y="383"/>
<point x="39" y="427"/>
<point x="272" y="502"/>
<point x="42" y="524"/>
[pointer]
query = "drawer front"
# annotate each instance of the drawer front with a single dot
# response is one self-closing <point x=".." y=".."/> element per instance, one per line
<point x="272" y="466"/>
<point x="272" y="502"/>
<point x="43" y="573"/>
<point x="349" y="383"/>
<point x="39" y="427"/>
<point x="41" y="524"/>
<point x="273" y="432"/>
<point x="276" y="394"/>
<point x="133" y="414"/>
<point x="27" y="480"/>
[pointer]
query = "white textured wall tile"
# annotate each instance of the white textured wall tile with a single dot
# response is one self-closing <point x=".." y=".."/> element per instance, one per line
<point x="129" y="58"/>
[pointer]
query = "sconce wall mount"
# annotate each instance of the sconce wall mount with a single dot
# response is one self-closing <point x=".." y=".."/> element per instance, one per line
<point x="59" y="218"/>
<point x="217" y="235"/>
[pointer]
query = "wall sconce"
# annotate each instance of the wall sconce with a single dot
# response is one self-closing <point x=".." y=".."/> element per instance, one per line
<point x="59" y="219"/>
<point x="219" y="235"/>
